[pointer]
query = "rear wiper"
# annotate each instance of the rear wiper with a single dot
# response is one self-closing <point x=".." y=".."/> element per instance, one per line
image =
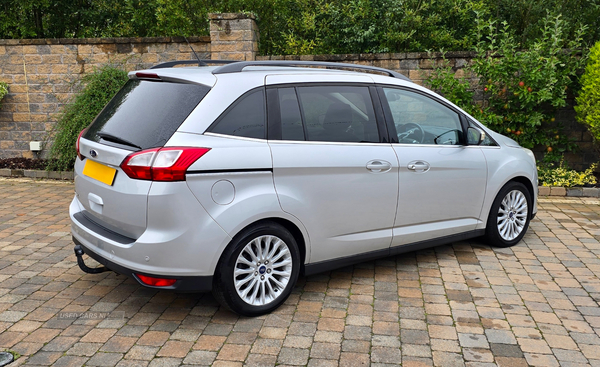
<point x="116" y="139"/>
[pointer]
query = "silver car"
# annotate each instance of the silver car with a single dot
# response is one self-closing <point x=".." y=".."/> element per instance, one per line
<point x="238" y="178"/>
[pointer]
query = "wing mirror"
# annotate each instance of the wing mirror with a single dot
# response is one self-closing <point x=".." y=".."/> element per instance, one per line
<point x="475" y="136"/>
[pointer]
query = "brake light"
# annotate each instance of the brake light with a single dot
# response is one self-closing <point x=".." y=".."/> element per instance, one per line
<point x="164" y="164"/>
<point x="141" y="75"/>
<point x="156" y="282"/>
<point x="77" y="143"/>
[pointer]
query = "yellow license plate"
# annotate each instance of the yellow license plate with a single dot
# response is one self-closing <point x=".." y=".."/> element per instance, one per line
<point x="99" y="172"/>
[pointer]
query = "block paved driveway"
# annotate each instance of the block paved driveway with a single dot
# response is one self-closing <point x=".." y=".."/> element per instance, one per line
<point x="465" y="304"/>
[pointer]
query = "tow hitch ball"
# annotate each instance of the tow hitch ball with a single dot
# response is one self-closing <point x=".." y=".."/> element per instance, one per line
<point x="85" y="268"/>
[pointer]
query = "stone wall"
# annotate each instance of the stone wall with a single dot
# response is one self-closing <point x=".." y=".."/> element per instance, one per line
<point x="41" y="76"/>
<point x="42" y="73"/>
<point x="415" y="65"/>
<point x="233" y="36"/>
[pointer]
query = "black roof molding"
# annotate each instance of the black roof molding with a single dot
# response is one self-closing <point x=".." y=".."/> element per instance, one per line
<point x="237" y="67"/>
<point x="171" y="64"/>
<point x="232" y="66"/>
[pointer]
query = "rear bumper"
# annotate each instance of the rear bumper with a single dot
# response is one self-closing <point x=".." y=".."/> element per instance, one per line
<point x="181" y="241"/>
<point x="183" y="283"/>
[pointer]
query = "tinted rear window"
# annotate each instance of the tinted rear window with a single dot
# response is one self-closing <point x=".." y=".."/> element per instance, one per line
<point x="145" y="113"/>
<point x="246" y="117"/>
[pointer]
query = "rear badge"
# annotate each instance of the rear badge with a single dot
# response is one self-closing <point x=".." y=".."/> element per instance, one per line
<point x="93" y="153"/>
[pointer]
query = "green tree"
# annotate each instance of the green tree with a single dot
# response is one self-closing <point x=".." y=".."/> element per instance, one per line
<point x="302" y="26"/>
<point x="526" y="17"/>
<point x="588" y="101"/>
<point x="359" y="26"/>
<point x="523" y="89"/>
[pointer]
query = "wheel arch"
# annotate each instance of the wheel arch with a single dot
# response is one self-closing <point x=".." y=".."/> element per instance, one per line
<point x="298" y="236"/>
<point x="520" y="178"/>
<point x="223" y="283"/>
<point x="492" y="231"/>
<point x="527" y="183"/>
<point x="287" y="224"/>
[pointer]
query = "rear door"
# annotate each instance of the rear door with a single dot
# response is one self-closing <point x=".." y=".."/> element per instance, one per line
<point x="144" y="114"/>
<point x="442" y="181"/>
<point x="332" y="168"/>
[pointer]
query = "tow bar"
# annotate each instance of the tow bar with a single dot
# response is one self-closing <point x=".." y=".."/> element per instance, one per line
<point x="79" y="253"/>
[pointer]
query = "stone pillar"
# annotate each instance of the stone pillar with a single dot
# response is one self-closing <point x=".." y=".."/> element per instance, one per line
<point x="233" y="36"/>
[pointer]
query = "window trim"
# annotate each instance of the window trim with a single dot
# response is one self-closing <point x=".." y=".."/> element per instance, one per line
<point x="274" y="131"/>
<point x="384" y="135"/>
<point x="302" y="116"/>
<point x="233" y="105"/>
<point x="391" y="126"/>
<point x="274" y="117"/>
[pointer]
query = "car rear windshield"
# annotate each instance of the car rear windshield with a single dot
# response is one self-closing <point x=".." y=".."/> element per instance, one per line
<point x="145" y="114"/>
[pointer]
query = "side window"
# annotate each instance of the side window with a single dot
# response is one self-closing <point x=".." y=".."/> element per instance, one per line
<point x="329" y="113"/>
<point x="245" y="117"/>
<point x="421" y="120"/>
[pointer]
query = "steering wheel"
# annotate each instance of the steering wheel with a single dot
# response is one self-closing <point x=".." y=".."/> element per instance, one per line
<point x="411" y="133"/>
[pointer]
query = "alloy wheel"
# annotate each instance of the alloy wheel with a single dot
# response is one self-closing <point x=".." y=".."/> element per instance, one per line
<point x="512" y="215"/>
<point x="262" y="270"/>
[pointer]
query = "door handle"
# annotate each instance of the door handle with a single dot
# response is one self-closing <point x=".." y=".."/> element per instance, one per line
<point x="418" y="166"/>
<point x="379" y="166"/>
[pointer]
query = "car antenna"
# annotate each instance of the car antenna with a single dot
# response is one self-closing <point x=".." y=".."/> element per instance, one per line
<point x="200" y="62"/>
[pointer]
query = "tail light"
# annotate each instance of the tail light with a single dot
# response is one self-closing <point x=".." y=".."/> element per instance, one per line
<point x="156" y="282"/>
<point x="77" y="143"/>
<point x="161" y="164"/>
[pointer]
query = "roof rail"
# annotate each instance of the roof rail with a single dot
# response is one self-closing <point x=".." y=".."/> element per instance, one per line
<point x="170" y="64"/>
<point x="237" y="67"/>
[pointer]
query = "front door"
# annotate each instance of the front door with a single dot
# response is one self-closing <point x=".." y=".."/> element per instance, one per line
<point x="331" y="170"/>
<point x="441" y="180"/>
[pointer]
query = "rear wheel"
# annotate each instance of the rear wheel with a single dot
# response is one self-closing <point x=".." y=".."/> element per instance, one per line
<point x="509" y="216"/>
<point x="258" y="270"/>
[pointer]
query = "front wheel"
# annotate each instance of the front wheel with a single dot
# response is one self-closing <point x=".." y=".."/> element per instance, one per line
<point x="258" y="270"/>
<point x="509" y="216"/>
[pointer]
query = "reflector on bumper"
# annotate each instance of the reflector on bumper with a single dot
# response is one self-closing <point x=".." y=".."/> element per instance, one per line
<point x="156" y="282"/>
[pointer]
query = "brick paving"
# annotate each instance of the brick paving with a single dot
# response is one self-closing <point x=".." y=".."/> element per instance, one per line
<point x="535" y="304"/>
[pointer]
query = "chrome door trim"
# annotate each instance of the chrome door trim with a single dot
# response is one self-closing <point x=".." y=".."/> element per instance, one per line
<point x="323" y="143"/>
<point x="233" y="137"/>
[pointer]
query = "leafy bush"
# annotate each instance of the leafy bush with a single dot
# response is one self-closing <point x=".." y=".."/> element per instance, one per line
<point x="3" y="91"/>
<point x="522" y="89"/>
<point x="457" y="89"/>
<point x="588" y="101"/>
<point x="299" y="26"/>
<point x="99" y="87"/>
<point x="561" y="175"/>
<point x="359" y="26"/>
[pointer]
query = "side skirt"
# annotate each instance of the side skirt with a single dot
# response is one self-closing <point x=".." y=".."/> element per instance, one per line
<point x="322" y="266"/>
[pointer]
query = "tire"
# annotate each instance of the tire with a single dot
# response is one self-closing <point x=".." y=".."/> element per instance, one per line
<point x="262" y="285"/>
<point x="506" y="227"/>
